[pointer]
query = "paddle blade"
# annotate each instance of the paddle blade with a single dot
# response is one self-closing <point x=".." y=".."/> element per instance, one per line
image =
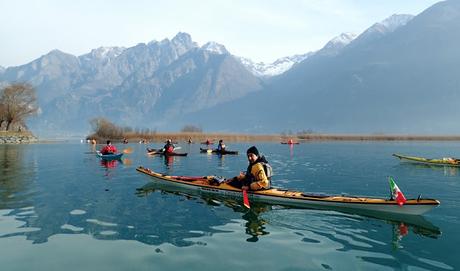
<point x="127" y="162"/>
<point x="128" y="150"/>
<point x="246" y="199"/>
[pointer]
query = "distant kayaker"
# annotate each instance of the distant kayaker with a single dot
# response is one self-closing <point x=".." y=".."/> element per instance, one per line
<point x="290" y="141"/>
<point x="109" y="148"/>
<point x="221" y="146"/>
<point x="168" y="147"/>
<point x="258" y="174"/>
<point x="190" y="140"/>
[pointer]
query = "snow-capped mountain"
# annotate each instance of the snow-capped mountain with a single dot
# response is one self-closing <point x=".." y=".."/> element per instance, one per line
<point x="215" y="48"/>
<point x="396" y="20"/>
<point x="388" y="25"/>
<point x="279" y="66"/>
<point x="334" y="46"/>
<point x="102" y="53"/>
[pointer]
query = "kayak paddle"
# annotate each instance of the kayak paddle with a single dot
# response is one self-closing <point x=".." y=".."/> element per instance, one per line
<point x="128" y="150"/>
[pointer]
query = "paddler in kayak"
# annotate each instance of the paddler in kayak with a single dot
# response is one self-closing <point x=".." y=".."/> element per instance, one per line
<point x="109" y="148"/>
<point x="168" y="147"/>
<point x="221" y="146"/>
<point x="258" y="174"/>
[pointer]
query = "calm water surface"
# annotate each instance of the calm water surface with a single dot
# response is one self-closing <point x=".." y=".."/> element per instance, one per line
<point x="62" y="208"/>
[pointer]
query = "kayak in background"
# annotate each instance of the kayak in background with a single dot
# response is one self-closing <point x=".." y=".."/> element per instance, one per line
<point x="212" y="185"/>
<point x="222" y="152"/>
<point x="114" y="156"/>
<point x="453" y="162"/>
<point x="207" y="143"/>
<point x="161" y="152"/>
<point x="290" y="143"/>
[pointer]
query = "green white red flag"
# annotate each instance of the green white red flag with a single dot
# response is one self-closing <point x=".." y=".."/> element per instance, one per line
<point x="396" y="192"/>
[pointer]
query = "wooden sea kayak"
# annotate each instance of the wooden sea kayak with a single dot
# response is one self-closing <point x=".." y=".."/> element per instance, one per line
<point x="223" y="152"/>
<point x="453" y="162"/>
<point x="114" y="156"/>
<point x="209" y="185"/>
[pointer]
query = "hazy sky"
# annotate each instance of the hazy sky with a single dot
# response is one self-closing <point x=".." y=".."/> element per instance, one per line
<point x="262" y="30"/>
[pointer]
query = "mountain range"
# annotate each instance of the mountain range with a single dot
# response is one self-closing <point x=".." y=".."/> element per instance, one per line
<point x="398" y="76"/>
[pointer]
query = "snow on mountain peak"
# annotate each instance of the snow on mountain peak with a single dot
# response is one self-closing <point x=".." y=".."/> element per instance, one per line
<point x="343" y="38"/>
<point x="215" y="48"/>
<point x="396" y="20"/>
<point x="107" y="52"/>
<point x="279" y="66"/>
<point x="334" y="46"/>
<point x="390" y="24"/>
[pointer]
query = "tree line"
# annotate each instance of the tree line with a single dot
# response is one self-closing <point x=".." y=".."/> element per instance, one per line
<point x="105" y="129"/>
<point x="18" y="101"/>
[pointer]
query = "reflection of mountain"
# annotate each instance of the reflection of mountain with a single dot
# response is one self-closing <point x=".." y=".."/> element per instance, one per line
<point x="126" y="220"/>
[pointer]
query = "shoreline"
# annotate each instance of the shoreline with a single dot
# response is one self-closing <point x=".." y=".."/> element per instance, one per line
<point x="228" y="137"/>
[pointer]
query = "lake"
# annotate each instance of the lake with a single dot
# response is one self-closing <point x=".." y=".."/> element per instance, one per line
<point x="61" y="207"/>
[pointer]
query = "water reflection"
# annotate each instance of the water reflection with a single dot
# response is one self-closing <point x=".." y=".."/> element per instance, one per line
<point x="15" y="184"/>
<point x="256" y="225"/>
<point x="47" y="194"/>
<point x="169" y="161"/>
<point x="109" y="163"/>
<point x="446" y="170"/>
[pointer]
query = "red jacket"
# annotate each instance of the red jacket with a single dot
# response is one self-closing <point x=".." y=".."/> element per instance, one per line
<point x="109" y="149"/>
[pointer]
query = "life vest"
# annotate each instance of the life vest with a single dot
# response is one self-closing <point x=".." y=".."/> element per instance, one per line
<point x="169" y="149"/>
<point x="266" y="166"/>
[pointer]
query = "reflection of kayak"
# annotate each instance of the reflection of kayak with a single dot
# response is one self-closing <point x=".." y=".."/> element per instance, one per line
<point x="109" y="156"/>
<point x="453" y="162"/>
<point x="207" y="143"/>
<point x="161" y="152"/>
<point x="419" y="224"/>
<point x="217" y="151"/>
<point x="290" y="143"/>
<point x="205" y="185"/>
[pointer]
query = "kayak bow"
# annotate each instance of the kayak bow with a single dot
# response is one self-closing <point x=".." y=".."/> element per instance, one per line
<point x="453" y="162"/>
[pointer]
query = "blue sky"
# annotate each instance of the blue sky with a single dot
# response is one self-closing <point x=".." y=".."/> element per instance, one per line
<point x="262" y="30"/>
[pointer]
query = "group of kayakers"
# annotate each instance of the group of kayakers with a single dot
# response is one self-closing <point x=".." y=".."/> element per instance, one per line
<point x="256" y="177"/>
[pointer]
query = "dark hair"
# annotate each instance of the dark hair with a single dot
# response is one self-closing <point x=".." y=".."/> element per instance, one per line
<point x="253" y="150"/>
<point x="108" y="141"/>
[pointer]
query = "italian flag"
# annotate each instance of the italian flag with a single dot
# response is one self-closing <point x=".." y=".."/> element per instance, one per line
<point x="396" y="192"/>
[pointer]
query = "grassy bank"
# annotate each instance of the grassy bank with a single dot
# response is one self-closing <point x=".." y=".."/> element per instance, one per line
<point x="12" y="133"/>
<point x="214" y="137"/>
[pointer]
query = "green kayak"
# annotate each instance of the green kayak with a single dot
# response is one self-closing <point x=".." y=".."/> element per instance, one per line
<point x="453" y="162"/>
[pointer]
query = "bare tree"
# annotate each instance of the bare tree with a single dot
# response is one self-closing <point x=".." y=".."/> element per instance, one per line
<point x="17" y="102"/>
<point x="106" y="129"/>
<point x="191" y="129"/>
